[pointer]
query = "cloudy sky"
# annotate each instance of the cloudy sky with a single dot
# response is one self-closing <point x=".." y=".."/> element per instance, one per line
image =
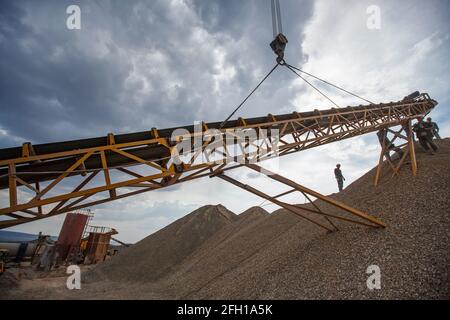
<point x="135" y="65"/>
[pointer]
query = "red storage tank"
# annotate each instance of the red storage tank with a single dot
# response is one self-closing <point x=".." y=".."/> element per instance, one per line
<point x="71" y="232"/>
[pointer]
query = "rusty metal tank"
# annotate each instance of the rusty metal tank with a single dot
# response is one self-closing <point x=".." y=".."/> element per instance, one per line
<point x="97" y="247"/>
<point x="70" y="235"/>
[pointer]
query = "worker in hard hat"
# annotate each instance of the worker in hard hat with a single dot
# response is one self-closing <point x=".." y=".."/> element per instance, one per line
<point x="339" y="177"/>
<point x="435" y="127"/>
<point x="424" y="133"/>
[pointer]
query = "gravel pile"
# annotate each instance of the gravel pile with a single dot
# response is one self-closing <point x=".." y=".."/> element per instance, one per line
<point x="159" y="254"/>
<point x="412" y="253"/>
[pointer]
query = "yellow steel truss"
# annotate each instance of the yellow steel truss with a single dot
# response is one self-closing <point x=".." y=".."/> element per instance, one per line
<point x="38" y="198"/>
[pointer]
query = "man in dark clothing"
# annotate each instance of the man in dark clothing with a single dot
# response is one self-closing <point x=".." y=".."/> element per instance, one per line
<point x="435" y="128"/>
<point x="339" y="177"/>
<point x="424" y="133"/>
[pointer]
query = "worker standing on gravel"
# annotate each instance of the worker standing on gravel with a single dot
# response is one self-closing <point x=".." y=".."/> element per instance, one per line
<point x="424" y="133"/>
<point x="435" y="128"/>
<point x="339" y="177"/>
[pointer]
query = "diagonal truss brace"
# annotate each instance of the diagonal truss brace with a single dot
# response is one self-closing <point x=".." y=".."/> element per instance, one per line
<point x="367" y="220"/>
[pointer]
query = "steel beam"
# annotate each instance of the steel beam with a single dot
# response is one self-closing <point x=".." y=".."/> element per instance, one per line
<point x="317" y="195"/>
<point x="55" y="163"/>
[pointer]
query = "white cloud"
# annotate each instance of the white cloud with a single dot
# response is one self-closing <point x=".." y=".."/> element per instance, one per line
<point x="382" y="65"/>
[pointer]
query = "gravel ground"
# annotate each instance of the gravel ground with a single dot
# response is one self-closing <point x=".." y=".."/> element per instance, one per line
<point x="213" y="254"/>
<point x="412" y="253"/>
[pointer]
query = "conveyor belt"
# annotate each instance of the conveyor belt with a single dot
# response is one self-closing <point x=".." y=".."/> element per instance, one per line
<point x="29" y="166"/>
<point x="155" y="151"/>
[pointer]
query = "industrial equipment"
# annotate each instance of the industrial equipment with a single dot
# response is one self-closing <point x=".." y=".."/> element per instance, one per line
<point x="70" y="235"/>
<point x="144" y="161"/>
<point x="280" y="41"/>
<point x="151" y="152"/>
<point x="98" y="244"/>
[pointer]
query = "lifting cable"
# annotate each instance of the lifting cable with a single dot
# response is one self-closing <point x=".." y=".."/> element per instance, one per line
<point x="278" y="46"/>
<point x="276" y="18"/>
<point x="242" y="103"/>
<point x="329" y="83"/>
<point x="314" y="87"/>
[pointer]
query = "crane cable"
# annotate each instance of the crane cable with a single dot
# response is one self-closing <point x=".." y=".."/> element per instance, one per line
<point x="329" y="83"/>
<point x="314" y="87"/>
<point x="277" y="30"/>
<point x="276" y="18"/>
<point x="245" y="100"/>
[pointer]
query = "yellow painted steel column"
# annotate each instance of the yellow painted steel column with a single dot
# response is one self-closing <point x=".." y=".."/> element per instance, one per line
<point x="12" y="184"/>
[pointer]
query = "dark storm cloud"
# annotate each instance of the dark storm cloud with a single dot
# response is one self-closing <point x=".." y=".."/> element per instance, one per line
<point x="45" y="96"/>
<point x="135" y="65"/>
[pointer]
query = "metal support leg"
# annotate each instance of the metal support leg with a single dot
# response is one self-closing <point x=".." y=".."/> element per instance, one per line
<point x="408" y="150"/>
<point x="373" y="222"/>
<point x="317" y="195"/>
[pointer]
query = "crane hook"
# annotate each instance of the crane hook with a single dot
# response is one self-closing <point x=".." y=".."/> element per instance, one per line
<point x="279" y="42"/>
